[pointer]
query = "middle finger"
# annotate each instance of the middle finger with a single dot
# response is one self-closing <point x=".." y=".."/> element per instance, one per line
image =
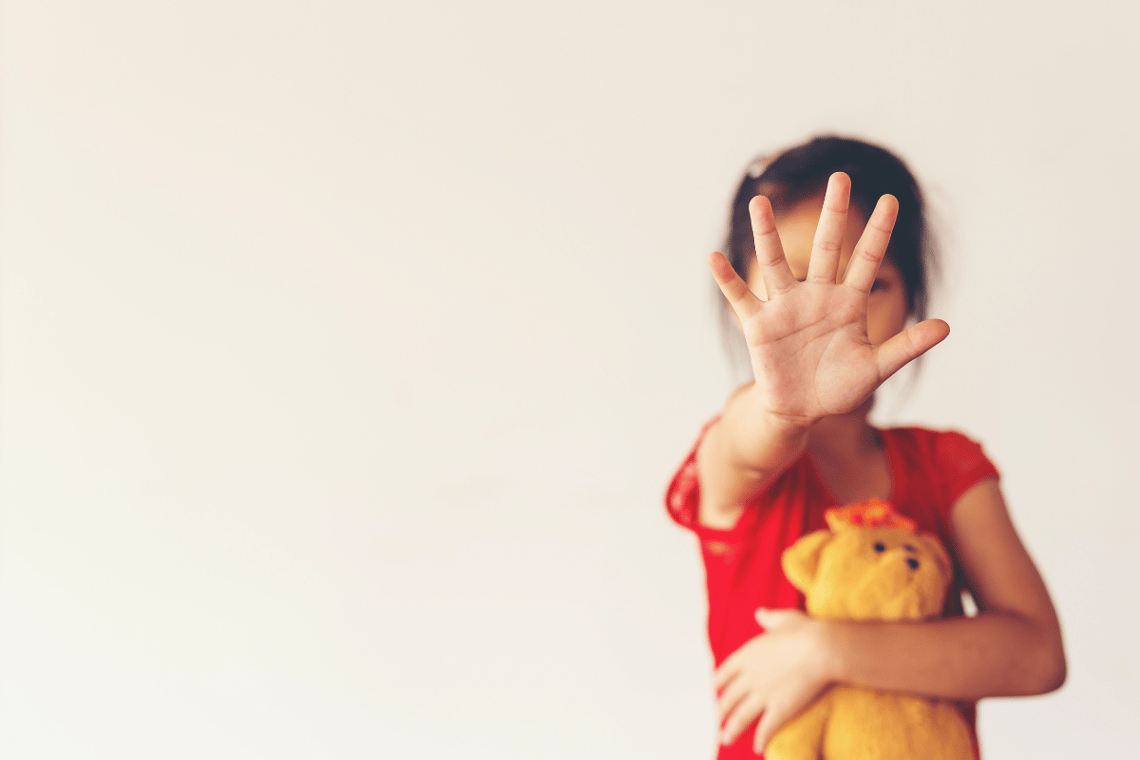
<point x="828" y="242"/>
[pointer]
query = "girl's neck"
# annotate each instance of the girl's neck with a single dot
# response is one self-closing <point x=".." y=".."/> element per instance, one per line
<point x="845" y="437"/>
<point x="848" y="455"/>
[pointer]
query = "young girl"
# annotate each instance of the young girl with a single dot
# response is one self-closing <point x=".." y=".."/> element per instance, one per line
<point x="827" y="262"/>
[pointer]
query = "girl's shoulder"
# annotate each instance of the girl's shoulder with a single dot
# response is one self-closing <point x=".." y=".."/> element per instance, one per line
<point x="932" y="439"/>
<point x="948" y="459"/>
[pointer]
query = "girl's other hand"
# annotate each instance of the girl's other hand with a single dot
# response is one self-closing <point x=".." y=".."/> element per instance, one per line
<point x="808" y="343"/>
<point x="773" y="677"/>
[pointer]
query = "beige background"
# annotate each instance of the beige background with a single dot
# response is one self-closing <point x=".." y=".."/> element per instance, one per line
<point x="346" y="349"/>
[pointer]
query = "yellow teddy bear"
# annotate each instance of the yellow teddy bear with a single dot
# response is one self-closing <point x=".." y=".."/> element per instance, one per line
<point x="871" y="565"/>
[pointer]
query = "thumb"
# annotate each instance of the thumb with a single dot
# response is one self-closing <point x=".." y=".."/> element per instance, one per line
<point x="770" y="620"/>
<point x="909" y="345"/>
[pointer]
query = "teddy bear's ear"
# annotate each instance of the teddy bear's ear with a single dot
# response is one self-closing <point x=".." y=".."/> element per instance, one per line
<point x="801" y="559"/>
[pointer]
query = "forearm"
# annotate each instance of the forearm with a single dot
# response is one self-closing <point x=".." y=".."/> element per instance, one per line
<point x="992" y="654"/>
<point x="742" y="452"/>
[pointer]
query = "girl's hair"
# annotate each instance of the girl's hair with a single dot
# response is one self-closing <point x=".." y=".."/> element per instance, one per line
<point x="800" y="173"/>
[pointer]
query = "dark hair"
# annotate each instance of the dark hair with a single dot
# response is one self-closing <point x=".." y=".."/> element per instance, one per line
<point x="802" y="172"/>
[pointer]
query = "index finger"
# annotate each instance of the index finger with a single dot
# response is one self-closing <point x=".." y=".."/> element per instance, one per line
<point x="872" y="245"/>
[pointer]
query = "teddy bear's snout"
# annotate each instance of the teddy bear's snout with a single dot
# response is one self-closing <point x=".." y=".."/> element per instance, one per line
<point x="911" y="562"/>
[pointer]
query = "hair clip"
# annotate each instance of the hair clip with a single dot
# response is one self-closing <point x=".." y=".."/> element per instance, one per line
<point x="760" y="165"/>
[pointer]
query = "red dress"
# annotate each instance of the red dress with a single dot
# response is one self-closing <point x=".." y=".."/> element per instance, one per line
<point x="929" y="471"/>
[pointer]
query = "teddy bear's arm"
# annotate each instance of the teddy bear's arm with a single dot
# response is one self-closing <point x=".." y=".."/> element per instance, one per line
<point x="802" y="737"/>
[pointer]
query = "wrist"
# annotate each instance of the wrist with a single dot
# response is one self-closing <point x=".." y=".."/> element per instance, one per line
<point x="829" y="651"/>
<point x="752" y="439"/>
<point x="787" y="427"/>
<point x="771" y="419"/>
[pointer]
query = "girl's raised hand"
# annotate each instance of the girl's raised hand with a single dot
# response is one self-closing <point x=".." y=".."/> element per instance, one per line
<point x="808" y="342"/>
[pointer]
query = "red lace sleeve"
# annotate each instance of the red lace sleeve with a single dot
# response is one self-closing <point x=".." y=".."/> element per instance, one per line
<point x="683" y="500"/>
<point x="963" y="464"/>
<point x="683" y="497"/>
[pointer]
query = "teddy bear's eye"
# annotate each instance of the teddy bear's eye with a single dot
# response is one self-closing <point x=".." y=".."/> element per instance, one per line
<point x="879" y="547"/>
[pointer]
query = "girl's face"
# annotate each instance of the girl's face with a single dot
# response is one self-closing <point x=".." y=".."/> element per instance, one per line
<point x="886" y="307"/>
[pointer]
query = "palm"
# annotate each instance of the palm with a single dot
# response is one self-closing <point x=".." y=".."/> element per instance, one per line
<point x="810" y="352"/>
<point x="808" y="342"/>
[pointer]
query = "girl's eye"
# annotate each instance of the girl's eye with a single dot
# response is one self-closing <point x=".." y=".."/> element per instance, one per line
<point x="878" y="284"/>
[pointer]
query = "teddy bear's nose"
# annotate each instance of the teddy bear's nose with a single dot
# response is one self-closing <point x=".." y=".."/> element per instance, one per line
<point x="912" y="563"/>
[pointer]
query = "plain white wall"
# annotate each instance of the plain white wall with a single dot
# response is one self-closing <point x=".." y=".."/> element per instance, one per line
<point x="347" y="348"/>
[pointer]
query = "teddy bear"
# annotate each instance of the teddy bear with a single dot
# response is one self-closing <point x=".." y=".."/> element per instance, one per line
<point x="871" y="565"/>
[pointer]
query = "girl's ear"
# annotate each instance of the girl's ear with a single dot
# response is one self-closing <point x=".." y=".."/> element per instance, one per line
<point x="801" y="559"/>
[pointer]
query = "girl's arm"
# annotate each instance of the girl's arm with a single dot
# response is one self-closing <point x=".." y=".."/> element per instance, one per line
<point x="1011" y="648"/>
<point x="741" y="453"/>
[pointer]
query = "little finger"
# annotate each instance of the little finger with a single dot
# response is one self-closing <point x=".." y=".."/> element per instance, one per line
<point x="743" y="301"/>
<point x="770" y="722"/>
<point x="741" y="718"/>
